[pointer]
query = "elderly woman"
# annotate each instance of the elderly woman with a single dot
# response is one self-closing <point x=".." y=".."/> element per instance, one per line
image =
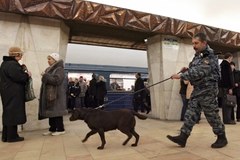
<point x="52" y="102"/>
<point x="12" y="89"/>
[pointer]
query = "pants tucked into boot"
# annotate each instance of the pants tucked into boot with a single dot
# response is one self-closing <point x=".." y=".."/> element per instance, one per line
<point x="180" y="140"/>
<point x="220" y="142"/>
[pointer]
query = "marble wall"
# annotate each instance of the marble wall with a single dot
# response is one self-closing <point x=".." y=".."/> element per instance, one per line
<point x="38" y="37"/>
<point x="166" y="56"/>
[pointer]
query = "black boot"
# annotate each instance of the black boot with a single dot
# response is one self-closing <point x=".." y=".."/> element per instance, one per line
<point x="220" y="142"/>
<point x="18" y="139"/>
<point x="180" y="140"/>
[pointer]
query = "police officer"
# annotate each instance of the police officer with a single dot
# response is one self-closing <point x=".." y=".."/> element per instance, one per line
<point x="203" y="73"/>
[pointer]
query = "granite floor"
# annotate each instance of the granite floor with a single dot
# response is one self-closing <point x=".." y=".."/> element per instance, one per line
<point x="153" y="144"/>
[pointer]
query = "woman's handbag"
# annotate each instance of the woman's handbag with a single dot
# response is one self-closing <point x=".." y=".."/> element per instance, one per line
<point x="29" y="92"/>
<point x="231" y="101"/>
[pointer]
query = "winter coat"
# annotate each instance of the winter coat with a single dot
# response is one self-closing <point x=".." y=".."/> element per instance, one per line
<point x="92" y="90"/>
<point x="227" y="79"/>
<point x="83" y="87"/>
<point x="74" y="90"/>
<point x="101" y="90"/>
<point x="12" y="89"/>
<point x="139" y="84"/>
<point x="236" y="75"/>
<point x="52" y="101"/>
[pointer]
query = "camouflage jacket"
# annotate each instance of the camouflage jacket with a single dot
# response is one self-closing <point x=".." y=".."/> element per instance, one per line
<point x="204" y="70"/>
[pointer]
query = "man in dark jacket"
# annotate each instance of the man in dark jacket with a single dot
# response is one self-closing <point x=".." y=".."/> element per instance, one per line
<point x="140" y="96"/>
<point x="12" y="89"/>
<point x="203" y="73"/>
<point x="69" y="97"/>
<point x="101" y="90"/>
<point x="92" y="91"/>
<point x="74" y="91"/>
<point x="226" y="84"/>
<point x="236" y="91"/>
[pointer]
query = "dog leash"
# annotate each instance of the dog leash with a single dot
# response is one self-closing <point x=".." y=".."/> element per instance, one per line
<point x="102" y="106"/>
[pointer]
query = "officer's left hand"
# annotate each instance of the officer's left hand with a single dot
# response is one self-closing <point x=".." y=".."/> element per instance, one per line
<point x="175" y="76"/>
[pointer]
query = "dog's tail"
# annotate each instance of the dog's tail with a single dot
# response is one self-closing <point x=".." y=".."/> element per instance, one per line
<point x="140" y="116"/>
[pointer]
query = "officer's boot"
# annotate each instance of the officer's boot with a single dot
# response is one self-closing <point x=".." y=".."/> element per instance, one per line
<point x="180" y="140"/>
<point x="220" y="142"/>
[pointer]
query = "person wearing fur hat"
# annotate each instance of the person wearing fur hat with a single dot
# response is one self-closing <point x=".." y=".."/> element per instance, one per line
<point x="52" y="103"/>
<point x="12" y="90"/>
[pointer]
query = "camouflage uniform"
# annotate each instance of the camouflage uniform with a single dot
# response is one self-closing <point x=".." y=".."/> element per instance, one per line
<point x="203" y="73"/>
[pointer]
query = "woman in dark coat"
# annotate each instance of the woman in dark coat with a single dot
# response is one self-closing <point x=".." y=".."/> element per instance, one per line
<point x="52" y="102"/>
<point x="12" y="89"/>
<point x="101" y="91"/>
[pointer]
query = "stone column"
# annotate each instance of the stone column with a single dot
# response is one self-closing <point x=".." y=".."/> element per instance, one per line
<point x="38" y="37"/>
<point x="236" y="60"/>
<point x="166" y="56"/>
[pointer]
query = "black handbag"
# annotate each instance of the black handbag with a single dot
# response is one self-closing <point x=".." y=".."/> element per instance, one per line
<point x="29" y="92"/>
<point x="231" y="101"/>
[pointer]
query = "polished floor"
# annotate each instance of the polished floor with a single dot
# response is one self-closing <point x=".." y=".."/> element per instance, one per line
<point x="153" y="144"/>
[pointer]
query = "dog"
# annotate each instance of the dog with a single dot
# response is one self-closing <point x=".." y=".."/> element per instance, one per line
<point x="100" y="121"/>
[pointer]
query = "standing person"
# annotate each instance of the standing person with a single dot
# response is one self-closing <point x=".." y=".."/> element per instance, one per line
<point x="101" y="90"/>
<point x="188" y="96"/>
<point x="182" y="92"/>
<point x="236" y="91"/>
<point x="83" y="87"/>
<point x="74" y="91"/>
<point x="138" y="97"/>
<point x="12" y="89"/>
<point x="92" y="91"/>
<point x="226" y="84"/>
<point x="74" y="95"/>
<point x="147" y="99"/>
<point x="203" y="74"/>
<point x="114" y="85"/>
<point x="52" y="103"/>
<point x="69" y="99"/>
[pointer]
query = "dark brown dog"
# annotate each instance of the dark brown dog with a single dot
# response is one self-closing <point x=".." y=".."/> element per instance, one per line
<point x="100" y="121"/>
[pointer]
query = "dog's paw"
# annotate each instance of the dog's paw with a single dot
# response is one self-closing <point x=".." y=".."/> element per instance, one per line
<point x="134" y="145"/>
<point x="100" y="147"/>
<point x="124" y="143"/>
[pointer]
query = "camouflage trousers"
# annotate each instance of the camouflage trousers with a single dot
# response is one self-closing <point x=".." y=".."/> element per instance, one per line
<point x="207" y="103"/>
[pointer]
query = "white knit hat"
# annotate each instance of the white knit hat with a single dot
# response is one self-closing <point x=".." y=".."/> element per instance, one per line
<point x="55" y="56"/>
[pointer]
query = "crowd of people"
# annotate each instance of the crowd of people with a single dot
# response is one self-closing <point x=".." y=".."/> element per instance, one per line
<point x="91" y="94"/>
<point x="81" y="93"/>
